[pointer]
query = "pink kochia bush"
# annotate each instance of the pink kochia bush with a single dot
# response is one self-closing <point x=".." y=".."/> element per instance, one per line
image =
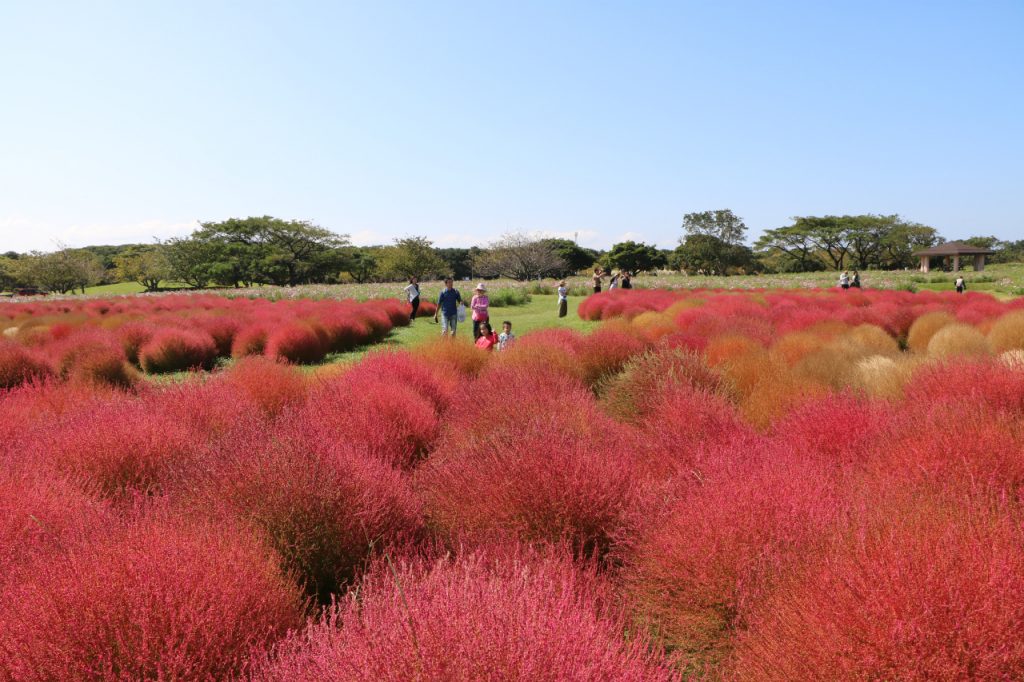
<point x="156" y="599"/>
<point x="922" y="589"/>
<point x="548" y="469"/>
<point x="173" y="350"/>
<point x="92" y="340"/>
<point x="515" y="616"/>
<point x="321" y="504"/>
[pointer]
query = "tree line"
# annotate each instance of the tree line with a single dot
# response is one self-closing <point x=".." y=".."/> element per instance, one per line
<point x="242" y="252"/>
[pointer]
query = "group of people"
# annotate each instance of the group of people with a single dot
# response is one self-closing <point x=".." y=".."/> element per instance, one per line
<point x="845" y="281"/>
<point x="622" y="279"/>
<point x="448" y="313"/>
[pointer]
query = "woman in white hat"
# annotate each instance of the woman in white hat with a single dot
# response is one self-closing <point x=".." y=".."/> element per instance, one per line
<point x="479" y="305"/>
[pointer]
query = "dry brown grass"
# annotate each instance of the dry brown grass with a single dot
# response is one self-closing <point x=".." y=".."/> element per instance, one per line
<point x="873" y="340"/>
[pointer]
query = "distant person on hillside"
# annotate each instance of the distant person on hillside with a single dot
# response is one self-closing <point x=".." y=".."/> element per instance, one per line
<point x="448" y="307"/>
<point x="487" y="339"/>
<point x="960" y="284"/>
<point x="598" y="274"/>
<point x="563" y="299"/>
<point x="856" y="280"/>
<point x="413" y="292"/>
<point x="844" y="280"/>
<point x="479" y="304"/>
<point x="506" y="336"/>
<point x="626" y="281"/>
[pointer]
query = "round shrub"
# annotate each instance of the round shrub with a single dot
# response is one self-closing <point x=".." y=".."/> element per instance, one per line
<point x="323" y="506"/>
<point x="19" y="365"/>
<point x="295" y="342"/>
<point x="272" y="386"/>
<point x="554" y="469"/>
<point x="958" y="340"/>
<point x="1007" y="332"/>
<point x="925" y="327"/>
<point x="174" y="350"/>
<point x="922" y="591"/>
<point x="250" y="340"/>
<point x="157" y="600"/>
<point x="514" y="618"/>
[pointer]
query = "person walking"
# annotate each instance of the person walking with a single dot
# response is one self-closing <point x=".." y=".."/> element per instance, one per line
<point x="960" y="284"/>
<point x="855" y="283"/>
<point x="844" y="280"/>
<point x="479" y="304"/>
<point x="598" y="275"/>
<point x="413" y="292"/>
<point x="448" y="307"/>
<point x="563" y="299"/>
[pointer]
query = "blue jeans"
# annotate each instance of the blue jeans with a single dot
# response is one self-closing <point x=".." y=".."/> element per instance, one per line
<point x="449" y="323"/>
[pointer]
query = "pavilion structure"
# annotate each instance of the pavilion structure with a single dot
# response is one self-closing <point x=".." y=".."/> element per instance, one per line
<point x="953" y="251"/>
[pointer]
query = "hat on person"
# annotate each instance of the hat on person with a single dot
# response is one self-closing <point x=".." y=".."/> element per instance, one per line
<point x="480" y="287"/>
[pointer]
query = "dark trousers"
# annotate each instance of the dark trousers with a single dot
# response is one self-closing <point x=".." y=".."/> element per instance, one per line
<point x="415" y="303"/>
<point x="563" y="308"/>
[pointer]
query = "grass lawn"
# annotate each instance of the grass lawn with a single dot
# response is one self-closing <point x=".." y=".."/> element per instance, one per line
<point x="540" y="313"/>
<point x="125" y="288"/>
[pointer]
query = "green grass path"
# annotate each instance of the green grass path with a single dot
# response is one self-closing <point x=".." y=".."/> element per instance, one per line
<point x="540" y="313"/>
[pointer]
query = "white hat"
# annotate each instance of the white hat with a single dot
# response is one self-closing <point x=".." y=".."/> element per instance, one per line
<point x="480" y="287"/>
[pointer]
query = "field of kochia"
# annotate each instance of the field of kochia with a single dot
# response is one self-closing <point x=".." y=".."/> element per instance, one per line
<point x="757" y="485"/>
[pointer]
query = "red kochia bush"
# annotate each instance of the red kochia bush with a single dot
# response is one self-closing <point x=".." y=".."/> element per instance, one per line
<point x="273" y="386"/>
<point x="548" y="469"/>
<point x="513" y="618"/>
<point x="323" y="506"/>
<point x="375" y="415"/>
<point x="296" y="342"/>
<point x="19" y="365"/>
<point x="922" y="591"/>
<point x="121" y="444"/>
<point x="157" y="601"/>
<point x="40" y="512"/>
<point x="249" y="340"/>
<point x="172" y="350"/>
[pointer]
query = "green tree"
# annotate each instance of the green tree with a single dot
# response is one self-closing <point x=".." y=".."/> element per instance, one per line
<point x="61" y="271"/>
<point x="722" y="224"/>
<point x="146" y="265"/>
<point x="634" y="256"/>
<point x="458" y="261"/>
<point x="193" y="261"/>
<point x="711" y="255"/>
<point x="412" y="257"/>
<point x="361" y="264"/>
<point x="576" y="257"/>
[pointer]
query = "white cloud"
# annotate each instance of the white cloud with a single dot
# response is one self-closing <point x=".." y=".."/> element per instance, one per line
<point x="22" y="234"/>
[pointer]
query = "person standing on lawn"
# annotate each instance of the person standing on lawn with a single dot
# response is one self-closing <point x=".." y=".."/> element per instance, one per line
<point x="598" y="275"/>
<point x="448" y="307"/>
<point x="625" y="281"/>
<point x="960" y="284"/>
<point x="413" y="292"/>
<point x="478" y="304"/>
<point x="506" y="337"/>
<point x="563" y="299"/>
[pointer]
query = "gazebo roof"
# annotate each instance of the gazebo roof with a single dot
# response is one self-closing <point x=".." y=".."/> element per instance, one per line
<point x="954" y="249"/>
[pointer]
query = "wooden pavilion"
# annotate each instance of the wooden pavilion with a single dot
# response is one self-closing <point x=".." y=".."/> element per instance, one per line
<point x="954" y="250"/>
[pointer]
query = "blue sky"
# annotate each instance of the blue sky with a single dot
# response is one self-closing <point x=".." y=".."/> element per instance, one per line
<point x="125" y="121"/>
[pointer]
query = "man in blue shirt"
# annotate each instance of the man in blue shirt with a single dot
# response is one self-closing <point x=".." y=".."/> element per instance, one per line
<point x="448" y="306"/>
